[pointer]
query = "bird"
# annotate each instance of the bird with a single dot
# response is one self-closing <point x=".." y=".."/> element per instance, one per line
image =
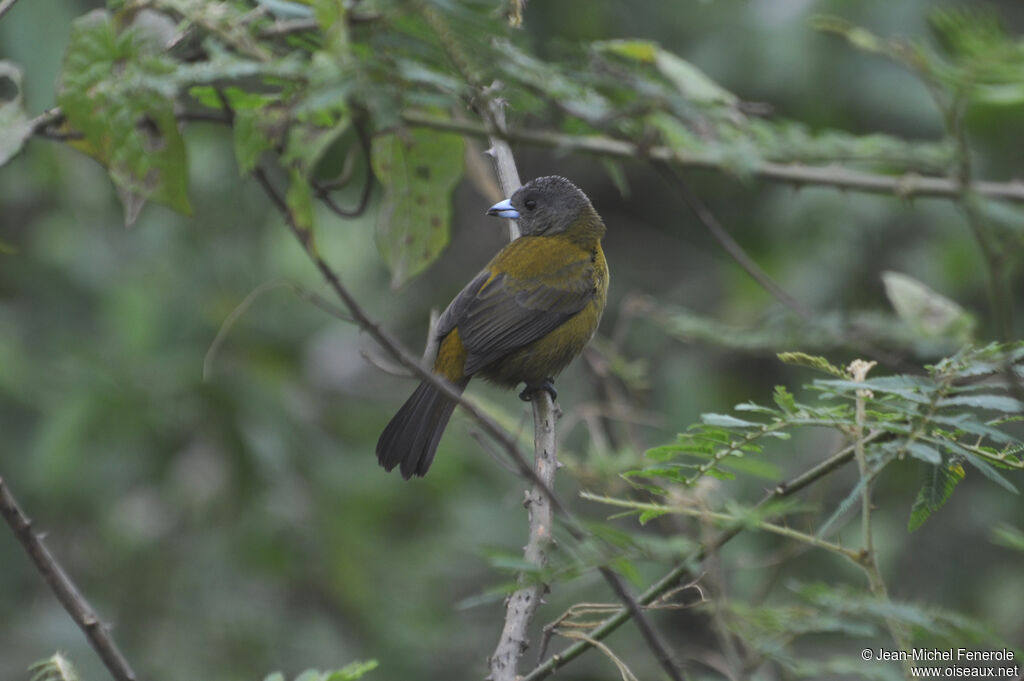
<point x="528" y="313"/>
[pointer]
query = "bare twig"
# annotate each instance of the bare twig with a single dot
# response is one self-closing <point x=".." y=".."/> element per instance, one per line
<point x="323" y="190"/>
<point x="65" y="590"/>
<point x="5" y="7"/>
<point x="501" y="153"/>
<point x="725" y="240"/>
<point x="906" y="186"/>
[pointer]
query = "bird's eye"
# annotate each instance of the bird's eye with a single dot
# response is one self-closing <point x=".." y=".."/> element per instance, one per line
<point x="530" y="204"/>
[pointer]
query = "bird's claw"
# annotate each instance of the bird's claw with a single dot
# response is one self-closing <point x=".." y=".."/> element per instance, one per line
<point x="529" y="390"/>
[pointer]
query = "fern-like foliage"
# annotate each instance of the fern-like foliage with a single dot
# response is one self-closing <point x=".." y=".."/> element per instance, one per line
<point x="961" y="412"/>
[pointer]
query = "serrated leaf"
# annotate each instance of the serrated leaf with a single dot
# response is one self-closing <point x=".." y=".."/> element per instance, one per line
<point x="120" y="98"/>
<point x="757" y="467"/>
<point x="925" y="453"/>
<point x="251" y="138"/>
<point x="691" y="82"/>
<point x="939" y="483"/>
<point x="567" y="89"/>
<point x="353" y="671"/>
<point x="784" y="399"/>
<point x="419" y="169"/>
<point x="727" y="421"/>
<point x="1009" y="536"/>
<point x="983" y="467"/>
<point x="904" y="386"/>
<point x="1001" y="403"/>
<point x="15" y="126"/>
<point x="310" y="675"/>
<point x="929" y="313"/>
<point x="811" y="361"/>
<point x="643" y="51"/>
<point x="650" y="514"/>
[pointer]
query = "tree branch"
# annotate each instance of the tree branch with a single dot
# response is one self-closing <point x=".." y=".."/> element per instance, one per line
<point x="725" y="240"/>
<point x="5" y="7"/>
<point x="906" y="186"/>
<point x="522" y="604"/>
<point x="65" y="590"/>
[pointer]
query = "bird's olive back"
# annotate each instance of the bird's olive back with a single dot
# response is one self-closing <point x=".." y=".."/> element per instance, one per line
<point x="549" y="205"/>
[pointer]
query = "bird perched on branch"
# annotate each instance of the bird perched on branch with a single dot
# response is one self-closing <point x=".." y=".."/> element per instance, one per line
<point x="523" y="319"/>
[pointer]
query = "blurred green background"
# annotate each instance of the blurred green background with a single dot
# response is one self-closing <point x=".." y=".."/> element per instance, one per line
<point x="232" y="526"/>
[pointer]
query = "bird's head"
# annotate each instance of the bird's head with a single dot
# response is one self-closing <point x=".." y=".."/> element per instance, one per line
<point x="547" y="205"/>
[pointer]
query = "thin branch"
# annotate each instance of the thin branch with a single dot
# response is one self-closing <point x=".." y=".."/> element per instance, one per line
<point x="65" y="590"/>
<point x="781" y="530"/>
<point x="286" y="27"/>
<point x="5" y="7"/>
<point x="522" y="604"/>
<point x="907" y="186"/>
<point x="323" y="191"/>
<point x="725" y="240"/>
<point x="867" y="558"/>
<point x="501" y="153"/>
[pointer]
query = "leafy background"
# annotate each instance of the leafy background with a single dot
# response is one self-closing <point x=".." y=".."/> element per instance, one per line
<point x="236" y="523"/>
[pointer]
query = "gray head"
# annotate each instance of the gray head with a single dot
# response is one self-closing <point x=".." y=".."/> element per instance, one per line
<point x="546" y="205"/>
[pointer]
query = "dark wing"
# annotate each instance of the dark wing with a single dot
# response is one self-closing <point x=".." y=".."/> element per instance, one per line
<point x="498" y="315"/>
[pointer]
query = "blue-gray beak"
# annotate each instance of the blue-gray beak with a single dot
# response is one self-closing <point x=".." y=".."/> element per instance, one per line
<point x="503" y="209"/>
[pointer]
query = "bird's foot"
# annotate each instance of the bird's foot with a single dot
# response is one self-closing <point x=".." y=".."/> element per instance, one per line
<point x="529" y="390"/>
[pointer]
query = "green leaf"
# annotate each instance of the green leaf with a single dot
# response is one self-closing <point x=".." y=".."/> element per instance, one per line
<point x="309" y="140"/>
<point x="939" y="482"/>
<point x="929" y="313"/>
<point x="727" y="421"/>
<point x="983" y="467"/>
<point x="649" y="515"/>
<point x="757" y="467"/>
<point x="921" y="451"/>
<point x="812" y="362"/>
<point x="119" y="96"/>
<point x="352" y="671"/>
<point x="688" y="80"/>
<point x="274" y="676"/>
<point x="1009" y="536"/>
<point x="419" y="169"/>
<point x="300" y="202"/>
<point x="991" y="402"/>
<point x="785" y="400"/>
<point x="251" y="138"/>
<point x="310" y="675"/>
<point x="567" y="89"/>
<point x="15" y="126"/>
<point x="643" y="51"/>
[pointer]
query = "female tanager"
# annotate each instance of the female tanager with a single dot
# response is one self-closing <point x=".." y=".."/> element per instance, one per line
<point x="521" y="320"/>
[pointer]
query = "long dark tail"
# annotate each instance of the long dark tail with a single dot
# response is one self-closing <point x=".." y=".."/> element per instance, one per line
<point x="410" y="439"/>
